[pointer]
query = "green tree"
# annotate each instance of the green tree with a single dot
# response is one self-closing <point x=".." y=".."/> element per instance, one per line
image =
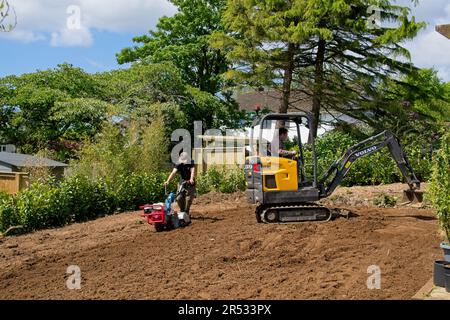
<point x="419" y="104"/>
<point x="325" y="49"/>
<point x="183" y="40"/>
<point x="50" y="109"/>
<point x="144" y="90"/>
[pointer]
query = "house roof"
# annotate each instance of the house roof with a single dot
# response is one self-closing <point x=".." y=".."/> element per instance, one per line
<point x="444" y="29"/>
<point x="271" y="99"/>
<point x="26" y="160"/>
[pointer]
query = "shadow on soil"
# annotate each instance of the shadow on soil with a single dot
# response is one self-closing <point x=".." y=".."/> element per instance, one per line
<point x="418" y="217"/>
<point x="202" y="218"/>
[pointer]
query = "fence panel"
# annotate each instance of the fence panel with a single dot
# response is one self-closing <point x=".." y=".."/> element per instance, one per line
<point x="13" y="182"/>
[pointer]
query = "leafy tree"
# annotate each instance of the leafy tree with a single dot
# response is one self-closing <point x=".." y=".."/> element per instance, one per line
<point x="183" y="40"/>
<point x="146" y="89"/>
<point x="50" y="109"/>
<point x="325" y="49"/>
<point x="418" y="104"/>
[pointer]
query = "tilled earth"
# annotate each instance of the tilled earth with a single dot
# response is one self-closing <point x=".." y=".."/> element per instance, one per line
<point x="225" y="254"/>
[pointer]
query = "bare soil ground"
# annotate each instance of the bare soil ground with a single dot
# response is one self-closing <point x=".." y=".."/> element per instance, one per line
<point x="225" y="254"/>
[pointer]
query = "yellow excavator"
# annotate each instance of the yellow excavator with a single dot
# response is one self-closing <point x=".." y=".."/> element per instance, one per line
<point x="286" y="189"/>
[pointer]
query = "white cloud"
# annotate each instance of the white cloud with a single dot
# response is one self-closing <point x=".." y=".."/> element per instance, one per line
<point x="24" y="36"/>
<point x="431" y="50"/>
<point x="72" y="38"/>
<point x="47" y="19"/>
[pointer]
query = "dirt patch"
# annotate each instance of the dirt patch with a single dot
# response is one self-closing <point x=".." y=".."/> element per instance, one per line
<point x="225" y="254"/>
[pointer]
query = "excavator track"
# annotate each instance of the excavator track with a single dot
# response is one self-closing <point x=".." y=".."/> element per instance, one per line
<point x="294" y="213"/>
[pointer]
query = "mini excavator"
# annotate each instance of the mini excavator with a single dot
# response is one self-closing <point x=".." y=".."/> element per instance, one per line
<point x="284" y="191"/>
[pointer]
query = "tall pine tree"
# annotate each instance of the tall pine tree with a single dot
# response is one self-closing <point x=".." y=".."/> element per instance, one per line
<point x="335" y="51"/>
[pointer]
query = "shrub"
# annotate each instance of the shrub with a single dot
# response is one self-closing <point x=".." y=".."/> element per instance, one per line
<point x="385" y="200"/>
<point x="136" y="189"/>
<point x="221" y="179"/>
<point x="8" y="212"/>
<point x="376" y="168"/>
<point x="87" y="199"/>
<point x="439" y="192"/>
<point x="42" y="206"/>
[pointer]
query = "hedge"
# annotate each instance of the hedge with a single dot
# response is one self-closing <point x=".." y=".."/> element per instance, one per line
<point x="79" y="198"/>
<point x="46" y="205"/>
<point x="439" y="192"/>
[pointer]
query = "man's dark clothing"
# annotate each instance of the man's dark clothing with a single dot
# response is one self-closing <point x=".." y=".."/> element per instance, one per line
<point x="185" y="199"/>
<point x="185" y="170"/>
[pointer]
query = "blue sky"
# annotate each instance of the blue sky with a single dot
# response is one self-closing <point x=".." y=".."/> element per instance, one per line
<point x="48" y="33"/>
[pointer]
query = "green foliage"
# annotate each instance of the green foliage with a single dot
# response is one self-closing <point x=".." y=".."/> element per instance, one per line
<point x="317" y="47"/>
<point x="46" y="109"/>
<point x="370" y="170"/>
<point x="385" y="200"/>
<point x="149" y="89"/>
<point x="87" y="199"/>
<point x="136" y="189"/>
<point x="121" y="150"/>
<point x="42" y="206"/>
<point x="417" y="105"/>
<point x="8" y="212"/>
<point x="183" y="40"/>
<point x="439" y="192"/>
<point x="221" y="179"/>
<point x="46" y="205"/>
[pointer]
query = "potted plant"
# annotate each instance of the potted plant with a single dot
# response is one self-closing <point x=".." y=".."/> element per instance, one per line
<point x="447" y="278"/>
<point x="440" y="273"/>
<point x="439" y="195"/>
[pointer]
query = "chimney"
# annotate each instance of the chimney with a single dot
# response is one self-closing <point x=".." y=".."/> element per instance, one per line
<point x="8" y="148"/>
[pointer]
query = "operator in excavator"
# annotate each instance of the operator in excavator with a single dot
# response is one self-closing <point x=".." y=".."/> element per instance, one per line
<point x="278" y="148"/>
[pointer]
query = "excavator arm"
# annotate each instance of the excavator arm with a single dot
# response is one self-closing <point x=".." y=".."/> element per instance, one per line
<point x="339" y="169"/>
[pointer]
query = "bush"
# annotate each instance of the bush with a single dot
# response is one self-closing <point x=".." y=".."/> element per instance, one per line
<point x="221" y="179"/>
<point x="377" y="168"/>
<point x="76" y="199"/>
<point x="385" y="200"/>
<point x="439" y="192"/>
<point x="136" y="189"/>
<point x="87" y="199"/>
<point x="42" y="206"/>
<point x="8" y="212"/>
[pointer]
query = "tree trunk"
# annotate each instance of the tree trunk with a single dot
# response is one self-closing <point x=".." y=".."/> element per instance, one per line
<point x="318" y="87"/>
<point x="287" y="81"/>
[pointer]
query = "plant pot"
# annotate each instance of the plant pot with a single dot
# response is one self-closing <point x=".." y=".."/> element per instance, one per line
<point x="446" y="248"/>
<point x="439" y="273"/>
<point x="447" y="278"/>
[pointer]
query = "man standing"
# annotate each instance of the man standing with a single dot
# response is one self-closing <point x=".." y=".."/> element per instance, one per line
<point x="186" y="169"/>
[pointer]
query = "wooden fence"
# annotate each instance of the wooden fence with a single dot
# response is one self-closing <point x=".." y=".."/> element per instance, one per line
<point x="227" y="151"/>
<point x="13" y="182"/>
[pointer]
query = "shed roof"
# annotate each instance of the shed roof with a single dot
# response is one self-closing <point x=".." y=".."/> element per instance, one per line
<point x="444" y="29"/>
<point x="26" y="160"/>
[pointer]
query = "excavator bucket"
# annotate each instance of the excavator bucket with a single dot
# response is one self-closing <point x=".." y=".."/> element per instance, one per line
<point x="412" y="196"/>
